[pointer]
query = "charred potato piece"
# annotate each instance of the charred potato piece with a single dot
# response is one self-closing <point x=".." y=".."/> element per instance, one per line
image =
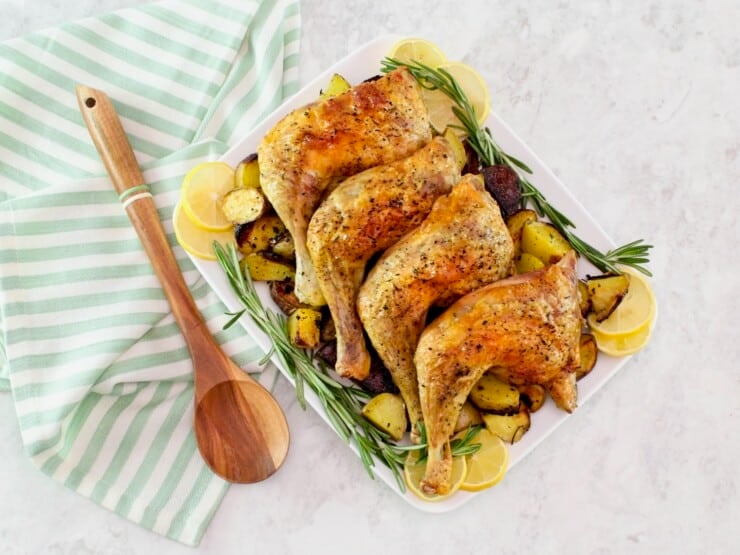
<point x="283" y="246"/>
<point x="605" y="293"/>
<point x="533" y="396"/>
<point x="491" y="394"/>
<point x="283" y="293"/>
<point x="328" y="329"/>
<point x="469" y="416"/>
<point x="257" y="236"/>
<point x="303" y="328"/>
<point x="526" y="263"/>
<point x="584" y="298"/>
<point x="544" y="241"/>
<point x="564" y="391"/>
<point x="247" y="173"/>
<point x="515" y="224"/>
<point x="243" y="206"/>
<point x="263" y="266"/>
<point x="379" y="379"/>
<point x="589" y="353"/>
<point x="509" y="427"/>
<point x="337" y="85"/>
<point x="387" y="412"/>
<point x="503" y="184"/>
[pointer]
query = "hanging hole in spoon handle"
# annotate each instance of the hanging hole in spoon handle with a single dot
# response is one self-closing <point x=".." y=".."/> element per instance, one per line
<point x="240" y="428"/>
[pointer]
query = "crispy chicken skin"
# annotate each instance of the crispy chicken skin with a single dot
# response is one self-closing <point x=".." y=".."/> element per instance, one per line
<point x="527" y="326"/>
<point x="366" y="214"/>
<point x="313" y="148"/>
<point x="462" y="245"/>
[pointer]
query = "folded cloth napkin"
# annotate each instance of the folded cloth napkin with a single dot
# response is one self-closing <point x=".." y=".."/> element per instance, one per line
<point x="98" y="372"/>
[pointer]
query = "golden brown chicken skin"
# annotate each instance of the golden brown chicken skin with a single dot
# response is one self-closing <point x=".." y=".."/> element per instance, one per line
<point x="462" y="245"/>
<point x="366" y="214"/>
<point x="528" y="326"/>
<point x="313" y="148"/>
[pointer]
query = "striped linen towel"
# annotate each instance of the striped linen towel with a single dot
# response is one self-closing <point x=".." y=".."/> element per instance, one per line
<point x="99" y="374"/>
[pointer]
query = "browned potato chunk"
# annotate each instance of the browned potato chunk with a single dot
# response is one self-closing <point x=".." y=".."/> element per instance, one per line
<point x="515" y="223"/>
<point x="533" y="396"/>
<point x="242" y="206"/>
<point x="589" y="354"/>
<point x="303" y="328"/>
<point x="605" y="293"/>
<point x="283" y="246"/>
<point x="387" y="412"/>
<point x="584" y="298"/>
<point x="247" y="174"/>
<point x="328" y="329"/>
<point x="469" y="416"/>
<point x="544" y="241"/>
<point x="263" y="266"/>
<point x="491" y="394"/>
<point x="528" y="263"/>
<point x="503" y="184"/>
<point x="283" y="293"/>
<point x="257" y="236"/>
<point x="509" y="427"/>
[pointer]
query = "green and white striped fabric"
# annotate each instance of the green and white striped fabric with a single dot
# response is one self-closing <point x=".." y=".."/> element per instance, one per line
<point x="99" y="374"/>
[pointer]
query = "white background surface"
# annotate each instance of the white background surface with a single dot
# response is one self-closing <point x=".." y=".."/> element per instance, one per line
<point x="635" y="107"/>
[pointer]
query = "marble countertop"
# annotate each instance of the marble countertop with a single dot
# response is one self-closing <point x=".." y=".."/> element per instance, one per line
<point x="634" y="106"/>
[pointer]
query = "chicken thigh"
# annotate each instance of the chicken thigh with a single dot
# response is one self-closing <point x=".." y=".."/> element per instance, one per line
<point x="462" y="245"/>
<point x="366" y="214"/>
<point x="526" y="328"/>
<point x="313" y="148"/>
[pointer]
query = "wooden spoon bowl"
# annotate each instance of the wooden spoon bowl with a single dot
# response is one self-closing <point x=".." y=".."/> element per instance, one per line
<point x="240" y="429"/>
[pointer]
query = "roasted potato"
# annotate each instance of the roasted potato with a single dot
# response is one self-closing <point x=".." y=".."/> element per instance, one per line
<point x="283" y="246"/>
<point x="243" y="206"/>
<point x="526" y="262"/>
<point x="283" y="293"/>
<point x="387" y="412"/>
<point x="503" y="184"/>
<point x="328" y="329"/>
<point x="469" y="416"/>
<point x="493" y="395"/>
<point x="327" y="353"/>
<point x="589" y="354"/>
<point x="515" y="224"/>
<point x="584" y="298"/>
<point x="509" y="427"/>
<point x="257" y="236"/>
<point x="303" y="328"/>
<point x="264" y="266"/>
<point x="542" y="240"/>
<point x="605" y="293"/>
<point x="247" y="174"/>
<point x="564" y="391"/>
<point x="337" y="85"/>
<point x="533" y="396"/>
<point x="379" y="379"/>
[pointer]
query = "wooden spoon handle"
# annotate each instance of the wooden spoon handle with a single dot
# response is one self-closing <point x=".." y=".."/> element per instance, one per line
<point x="112" y="143"/>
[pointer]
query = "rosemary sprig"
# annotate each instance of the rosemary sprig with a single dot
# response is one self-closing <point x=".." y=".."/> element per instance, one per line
<point x="342" y="402"/>
<point x="633" y="254"/>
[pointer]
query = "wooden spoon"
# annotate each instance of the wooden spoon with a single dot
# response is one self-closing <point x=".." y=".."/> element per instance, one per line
<point x="240" y="429"/>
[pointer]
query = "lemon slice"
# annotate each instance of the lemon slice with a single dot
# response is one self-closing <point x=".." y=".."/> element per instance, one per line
<point x="439" y="105"/>
<point x="625" y="344"/>
<point x="195" y="240"/>
<point x="418" y="50"/>
<point x="202" y="190"/>
<point x="633" y="315"/>
<point x="413" y="472"/>
<point x="488" y="465"/>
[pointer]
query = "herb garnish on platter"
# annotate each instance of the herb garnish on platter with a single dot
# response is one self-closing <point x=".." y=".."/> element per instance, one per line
<point x="633" y="254"/>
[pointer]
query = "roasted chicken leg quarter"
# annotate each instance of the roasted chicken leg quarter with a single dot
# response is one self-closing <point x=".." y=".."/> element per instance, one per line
<point x="366" y="214"/>
<point x="527" y="327"/>
<point x="462" y="245"/>
<point x="313" y="148"/>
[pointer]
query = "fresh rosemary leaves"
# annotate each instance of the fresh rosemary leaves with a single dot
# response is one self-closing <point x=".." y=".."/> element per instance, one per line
<point x="342" y="402"/>
<point x="633" y="254"/>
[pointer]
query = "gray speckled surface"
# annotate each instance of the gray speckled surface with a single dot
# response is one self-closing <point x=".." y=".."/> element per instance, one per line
<point x="634" y="106"/>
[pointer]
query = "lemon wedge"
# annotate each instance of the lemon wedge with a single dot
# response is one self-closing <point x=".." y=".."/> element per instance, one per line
<point x="625" y="344"/>
<point x="439" y="105"/>
<point x="487" y="466"/>
<point x="413" y="472"/>
<point x="418" y="50"/>
<point x="202" y="191"/>
<point x="196" y="240"/>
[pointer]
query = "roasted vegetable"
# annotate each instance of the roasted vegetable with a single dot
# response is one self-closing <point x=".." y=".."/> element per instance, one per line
<point x="564" y="391"/>
<point x="327" y="353"/>
<point x="457" y="147"/>
<point x="589" y="353"/>
<point x="264" y="266"/>
<point x="584" y="298"/>
<point x="303" y="328"/>
<point x="472" y="162"/>
<point x="544" y="241"/>
<point x="491" y="394"/>
<point x="509" y="427"/>
<point x="283" y="293"/>
<point x="532" y="395"/>
<point x="528" y="263"/>
<point x="503" y="184"/>
<point x="247" y="174"/>
<point x="337" y="85"/>
<point x="605" y="293"/>
<point x="379" y="379"/>
<point x="469" y="416"/>
<point x="328" y="329"/>
<point x="283" y="246"/>
<point x="257" y="236"/>
<point x="515" y="224"/>
<point x="388" y="413"/>
<point x="243" y="206"/>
